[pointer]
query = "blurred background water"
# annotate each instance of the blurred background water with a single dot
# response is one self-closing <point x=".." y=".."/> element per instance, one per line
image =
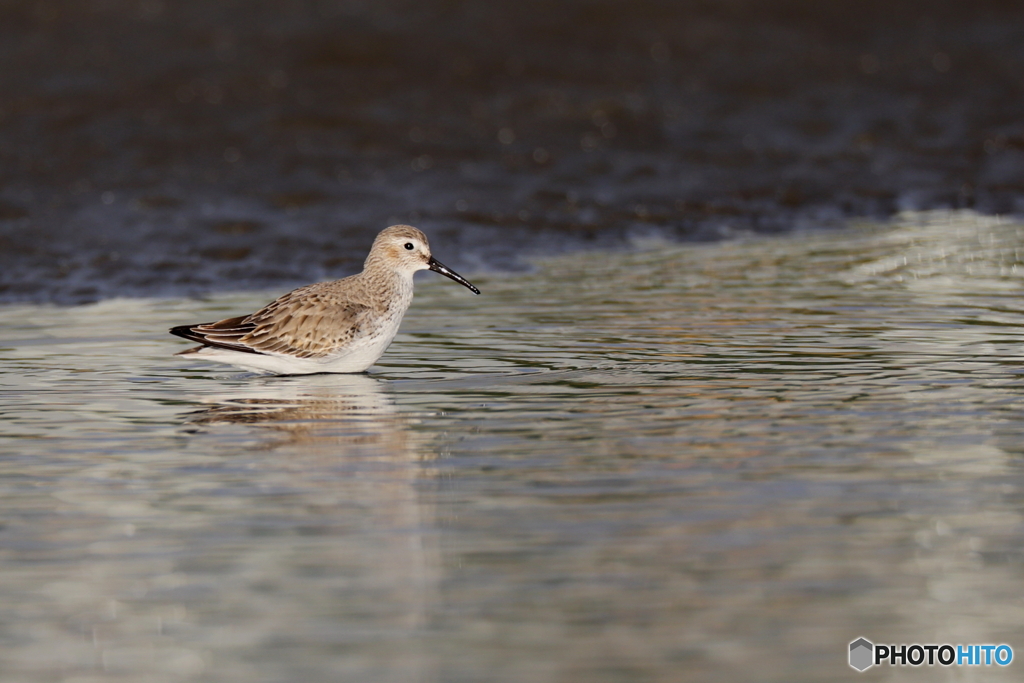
<point x="743" y="384"/>
<point x="154" y="148"/>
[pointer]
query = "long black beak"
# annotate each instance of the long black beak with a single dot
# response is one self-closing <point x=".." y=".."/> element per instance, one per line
<point x="439" y="267"/>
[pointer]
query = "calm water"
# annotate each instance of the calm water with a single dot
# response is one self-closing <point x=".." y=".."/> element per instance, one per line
<point x="698" y="462"/>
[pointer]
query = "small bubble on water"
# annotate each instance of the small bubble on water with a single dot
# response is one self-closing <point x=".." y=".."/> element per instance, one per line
<point x="213" y="94"/>
<point x="150" y="9"/>
<point x="506" y="136"/>
<point x="870" y="64"/>
<point x="422" y="163"/>
<point x="660" y="52"/>
<point x="185" y="94"/>
<point x="278" y="78"/>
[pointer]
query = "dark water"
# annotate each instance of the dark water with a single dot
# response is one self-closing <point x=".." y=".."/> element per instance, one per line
<point x="167" y="148"/>
<point x="708" y="462"/>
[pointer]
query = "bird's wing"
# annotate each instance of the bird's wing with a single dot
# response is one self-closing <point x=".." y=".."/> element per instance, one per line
<point x="224" y="333"/>
<point x="302" y="323"/>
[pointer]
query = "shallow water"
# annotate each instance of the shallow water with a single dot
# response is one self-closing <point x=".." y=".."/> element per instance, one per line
<point x="706" y="462"/>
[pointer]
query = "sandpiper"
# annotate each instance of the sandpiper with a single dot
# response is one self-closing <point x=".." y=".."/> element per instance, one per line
<point x="339" y="326"/>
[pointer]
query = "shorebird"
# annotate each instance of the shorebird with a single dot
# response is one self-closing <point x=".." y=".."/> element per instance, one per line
<point x="339" y="326"/>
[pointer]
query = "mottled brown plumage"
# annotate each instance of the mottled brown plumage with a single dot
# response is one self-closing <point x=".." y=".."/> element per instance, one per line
<point x="339" y="326"/>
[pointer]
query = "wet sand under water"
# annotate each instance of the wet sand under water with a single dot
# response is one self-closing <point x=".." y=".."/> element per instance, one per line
<point x="710" y="462"/>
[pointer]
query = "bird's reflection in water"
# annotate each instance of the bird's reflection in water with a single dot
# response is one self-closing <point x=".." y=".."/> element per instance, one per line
<point x="357" y="482"/>
<point x="311" y="408"/>
<point x="330" y="416"/>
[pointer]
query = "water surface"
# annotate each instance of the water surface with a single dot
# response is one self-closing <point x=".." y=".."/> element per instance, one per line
<point x="687" y="462"/>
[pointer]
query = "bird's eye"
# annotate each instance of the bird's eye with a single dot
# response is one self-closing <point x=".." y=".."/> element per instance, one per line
<point x="408" y="245"/>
